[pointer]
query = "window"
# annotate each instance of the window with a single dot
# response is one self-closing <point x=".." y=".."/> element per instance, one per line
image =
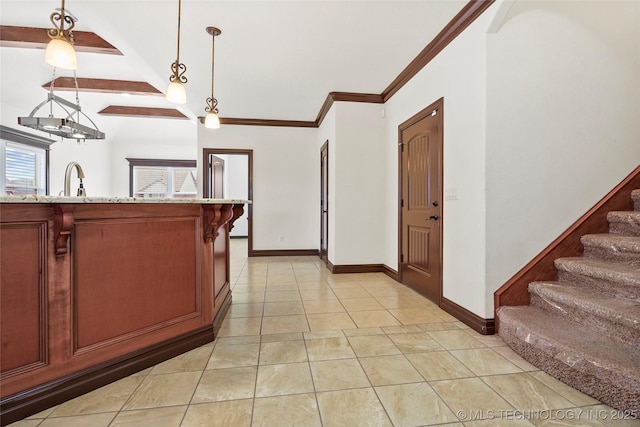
<point x="24" y="163"/>
<point x="162" y="178"/>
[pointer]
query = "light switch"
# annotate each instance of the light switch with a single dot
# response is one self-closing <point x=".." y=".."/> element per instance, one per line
<point x="451" y="194"/>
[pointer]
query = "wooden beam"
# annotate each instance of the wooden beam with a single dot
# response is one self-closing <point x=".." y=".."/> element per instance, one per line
<point x="159" y="113"/>
<point x="38" y="38"/>
<point x="265" y="122"/>
<point x="103" y="86"/>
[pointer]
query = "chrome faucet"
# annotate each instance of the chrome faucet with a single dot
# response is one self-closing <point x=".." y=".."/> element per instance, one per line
<point x="67" y="179"/>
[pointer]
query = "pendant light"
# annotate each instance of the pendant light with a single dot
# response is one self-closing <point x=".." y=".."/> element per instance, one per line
<point x="60" y="52"/>
<point x="211" y="120"/>
<point x="176" y="92"/>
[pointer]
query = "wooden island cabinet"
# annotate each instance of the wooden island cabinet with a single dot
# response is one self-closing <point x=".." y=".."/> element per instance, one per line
<point x="94" y="289"/>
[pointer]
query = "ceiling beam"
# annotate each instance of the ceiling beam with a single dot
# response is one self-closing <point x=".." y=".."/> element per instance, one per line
<point x="148" y="112"/>
<point x="38" y="38"/>
<point x="103" y="86"/>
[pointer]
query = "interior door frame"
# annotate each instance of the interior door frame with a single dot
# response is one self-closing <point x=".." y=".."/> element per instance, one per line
<point x="206" y="190"/>
<point x="422" y="114"/>
<point x="324" y="188"/>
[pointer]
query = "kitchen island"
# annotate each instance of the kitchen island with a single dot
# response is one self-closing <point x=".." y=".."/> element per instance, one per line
<point x="94" y="289"/>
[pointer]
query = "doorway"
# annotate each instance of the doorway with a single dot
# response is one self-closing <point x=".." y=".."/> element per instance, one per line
<point x="420" y="151"/>
<point x="217" y="162"/>
<point x="324" y="202"/>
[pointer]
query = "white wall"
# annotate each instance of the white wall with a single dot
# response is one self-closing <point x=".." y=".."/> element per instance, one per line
<point x="236" y="186"/>
<point x="286" y="182"/>
<point x="359" y="176"/>
<point x="458" y="75"/>
<point x="563" y="121"/>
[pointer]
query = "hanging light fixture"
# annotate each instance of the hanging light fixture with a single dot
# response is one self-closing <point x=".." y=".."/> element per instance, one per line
<point x="65" y="127"/>
<point x="60" y="52"/>
<point x="176" y="92"/>
<point x="211" y="120"/>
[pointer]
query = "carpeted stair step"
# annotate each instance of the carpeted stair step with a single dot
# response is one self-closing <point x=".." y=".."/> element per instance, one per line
<point x="618" y="318"/>
<point x="585" y="359"/>
<point x="618" y="279"/>
<point x="635" y="196"/>
<point x="612" y="247"/>
<point x="625" y="222"/>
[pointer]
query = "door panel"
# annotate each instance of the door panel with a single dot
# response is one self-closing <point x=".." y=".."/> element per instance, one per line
<point x="324" y="201"/>
<point x="420" y="156"/>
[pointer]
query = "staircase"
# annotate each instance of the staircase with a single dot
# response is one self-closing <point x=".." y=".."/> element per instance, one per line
<point x="584" y="329"/>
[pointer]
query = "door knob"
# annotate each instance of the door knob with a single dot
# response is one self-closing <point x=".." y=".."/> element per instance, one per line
<point x="433" y="217"/>
<point x="435" y="203"/>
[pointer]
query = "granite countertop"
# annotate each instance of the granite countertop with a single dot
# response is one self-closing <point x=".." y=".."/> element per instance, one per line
<point x="67" y="199"/>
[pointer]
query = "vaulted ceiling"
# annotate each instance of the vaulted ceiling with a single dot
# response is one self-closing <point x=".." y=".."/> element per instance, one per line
<point x="274" y="59"/>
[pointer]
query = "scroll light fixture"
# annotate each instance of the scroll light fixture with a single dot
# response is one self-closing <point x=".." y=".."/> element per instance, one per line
<point x="211" y="120"/>
<point x="176" y="92"/>
<point x="64" y="127"/>
<point x="60" y="52"/>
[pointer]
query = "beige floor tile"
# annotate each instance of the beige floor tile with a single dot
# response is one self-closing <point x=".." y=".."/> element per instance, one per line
<point x="367" y="319"/>
<point x="246" y="339"/>
<point x="306" y="284"/>
<point x="358" y="407"/>
<point x="330" y="321"/>
<point x="338" y="375"/>
<point x="415" y="342"/>
<point x="159" y="417"/>
<point x="194" y="360"/>
<point x="386" y="370"/>
<point x="361" y="304"/>
<point x="455" y="340"/>
<point x="383" y="290"/>
<point x="414" y="405"/>
<point x="236" y="413"/>
<point x="26" y="423"/>
<point x="525" y="392"/>
<point x="282" y="296"/>
<point x="438" y="365"/>
<point x="329" y="348"/>
<point x="499" y="422"/>
<point x="272" y="353"/>
<point x="281" y="279"/>
<point x="278" y="380"/>
<point x="282" y="286"/>
<point x="324" y="294"/>
<point x="351" y="292"/>
<point x="488" y="340"/>
<point x="234" y="356"/>
<point x="244" y="310"/>
<point x="389" y="302"/>
<point x="283" y="308"/>
<point x="608" y="416"/>
<point x="414" y="316"/>
<point x="569" y="393"/>
<point x="444" y="326"/>
<point x="402" y="329"/>
<point x="514" y="358"/>
<point x="323" y="306"/>
<point x="299" y="410"/>
<point x="284" y="324"/>
<point x="109" y="398"/>
<point x="484" y="361"/>
<point x="240" y="327"/>
<point x="164" y="390"/>
<point x="248" y="297"/>
<point x="360" y="332"/>
<point x="95" y="420"/>
<point x="290" y="336"/>
<point x="226" y="384"/>
<point x="470" y="395"/>
<point x="373" y="345"/>
<point x="318" y="335"/>
<point x="241" y="287"/>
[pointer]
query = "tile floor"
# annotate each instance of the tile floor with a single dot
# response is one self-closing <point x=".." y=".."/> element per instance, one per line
<point x="303" y="347"/>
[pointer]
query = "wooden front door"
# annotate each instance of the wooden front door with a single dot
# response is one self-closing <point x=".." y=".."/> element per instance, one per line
<point x="324" y="201"/>
<point x="216" y="177"/>
<point x="420" y="246"/>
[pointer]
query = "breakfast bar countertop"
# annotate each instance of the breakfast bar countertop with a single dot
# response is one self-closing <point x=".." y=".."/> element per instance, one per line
<point x="105" y="199"/>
